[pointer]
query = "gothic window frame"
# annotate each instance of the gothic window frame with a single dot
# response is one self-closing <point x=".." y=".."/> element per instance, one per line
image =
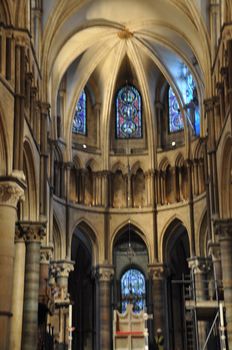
<point x="178" y="115"/>
<point x="82" y="130"/>
<point x="141" y="294"/>
<point x="119" y="134"/>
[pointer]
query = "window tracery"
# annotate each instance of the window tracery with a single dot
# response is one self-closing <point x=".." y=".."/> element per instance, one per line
<point x="128" y="113"/>
<point x="80" y="115"/>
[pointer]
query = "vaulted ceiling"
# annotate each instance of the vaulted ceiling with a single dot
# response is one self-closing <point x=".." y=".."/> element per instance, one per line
<point x="91" y="39"/>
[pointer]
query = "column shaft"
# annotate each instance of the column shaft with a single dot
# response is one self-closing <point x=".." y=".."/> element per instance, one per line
<point x="105" y="328"/>
<point x="10" y="192"/>
<point x="18" y="294"/>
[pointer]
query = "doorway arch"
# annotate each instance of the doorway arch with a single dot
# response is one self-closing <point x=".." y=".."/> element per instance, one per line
<point x="176" y="251"/>
<point x="82" y="288"/>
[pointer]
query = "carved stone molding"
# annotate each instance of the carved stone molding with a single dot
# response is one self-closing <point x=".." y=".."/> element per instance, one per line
<point x="19" y="234"/>
<point x="63" y="267"/>
<point x="58" y="282"/>
<point x="104" y="273"/>
<point x="34" y="231"/>
<point x="46" y="254"/>
<point x="199" y="264"/>
<point x="223" y="227"/>
<point x="214" y="250"/>
<point x="10" y="193"/>
<point x="158" y="271"/>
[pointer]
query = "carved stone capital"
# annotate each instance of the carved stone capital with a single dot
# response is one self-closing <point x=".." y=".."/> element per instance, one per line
<point x="157" y="271"/>
<point x="199" y="264"/>
<point x="104" y="273"/>
<point x="10" y="193"/>
<point x="63" y="267"/>
<point x="46" y="254"/>
<point x="223" y="228"/>
<point x="19" y="234"/>
<point x="58" y="282"/>
<point x="34" y="231"/>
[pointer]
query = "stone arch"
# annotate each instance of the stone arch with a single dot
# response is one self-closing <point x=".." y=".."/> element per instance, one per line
<point x="226" y="179"/>
<point x="203" y="235"/>
<point x="176" y="251"/>
<point x="82" y="287"/>
<point x="3" y="150"/>
<point x="92" y="164"/>
<point x="119" y="166"/>
<point x="172" y="233"/>
<point x="57" y="240"/>
<point x="138" y="189"/>
<point x="129" y="252"/>
<point x="179" y="162"/>
<point x="77" y="162"/>
<point x="5" y="12"/>
<point x="30" y="208"/>
<point x="123" y="227"/>
<point x="88" y="230"/>
<point x="118" y="189"/>
<point x="164" y="163"/>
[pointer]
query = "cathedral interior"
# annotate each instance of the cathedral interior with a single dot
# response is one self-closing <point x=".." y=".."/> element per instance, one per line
<point x="115" y="174"/>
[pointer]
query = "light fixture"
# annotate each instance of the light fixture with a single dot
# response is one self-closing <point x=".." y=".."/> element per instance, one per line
<point x="84" y="146"/>
<point x="173" y="143"/>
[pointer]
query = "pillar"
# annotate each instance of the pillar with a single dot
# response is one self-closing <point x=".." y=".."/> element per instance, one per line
<point x="199" y="268"/>
<point x="10" y="193"/>
<point x="34" y="232"/>
<point x="18" y="291"/>
<point x="104" y="276"/>
<point x="215" y="253"/>
<point x="157" y="273"/>
<point x="60" y="273"/>
<point x="223" y="229"/>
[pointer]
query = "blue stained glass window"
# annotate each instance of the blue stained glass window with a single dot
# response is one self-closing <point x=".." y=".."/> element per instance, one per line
<point x="189" y="93"/>
<point x="175" y="119"/>
<point x="128" y="113"/>
<point x="133" y="290"/>
<point x="79" y="121"/>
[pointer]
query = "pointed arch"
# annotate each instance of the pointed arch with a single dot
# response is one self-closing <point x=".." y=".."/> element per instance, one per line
<point x="171" y="232"/>
<point x="85" y="231"/>
<point x="57" y="240"/>
<point x="226" y="177"/>
<point x="30" y="207"/>
<point x="133" y="226"/>
<point x="3" y="150"/>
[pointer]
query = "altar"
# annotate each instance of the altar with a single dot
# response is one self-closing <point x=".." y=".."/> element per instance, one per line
<point x="130" y="330"/>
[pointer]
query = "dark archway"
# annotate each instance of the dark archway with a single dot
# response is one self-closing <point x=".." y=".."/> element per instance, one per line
<point x="82" y="289"/>
<point x="129" y="252"/>
<point x="176" y="252"/>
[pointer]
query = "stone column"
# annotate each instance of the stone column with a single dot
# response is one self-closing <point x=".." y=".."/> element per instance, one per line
<point x="18" y="291"/>
<point x="104" y="275"/>
<point x="10" y="192"/>
<point x="157" y="273"/>
<point x="215" y="253"/>
<point x="34" y="232"/>
<point x="60" y="273"/>
<point x="45" y="257"/>
<point x="223" y="228"/>
<point x="200" y="267"/>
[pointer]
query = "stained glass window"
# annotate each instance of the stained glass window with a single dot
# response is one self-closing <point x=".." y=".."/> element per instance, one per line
<point x="79" y="120"/>
<point x="128" y="113"/>
<point x="133" y="290"/>
<point x="189" y="93"/>
<point x="175" y="119"/>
